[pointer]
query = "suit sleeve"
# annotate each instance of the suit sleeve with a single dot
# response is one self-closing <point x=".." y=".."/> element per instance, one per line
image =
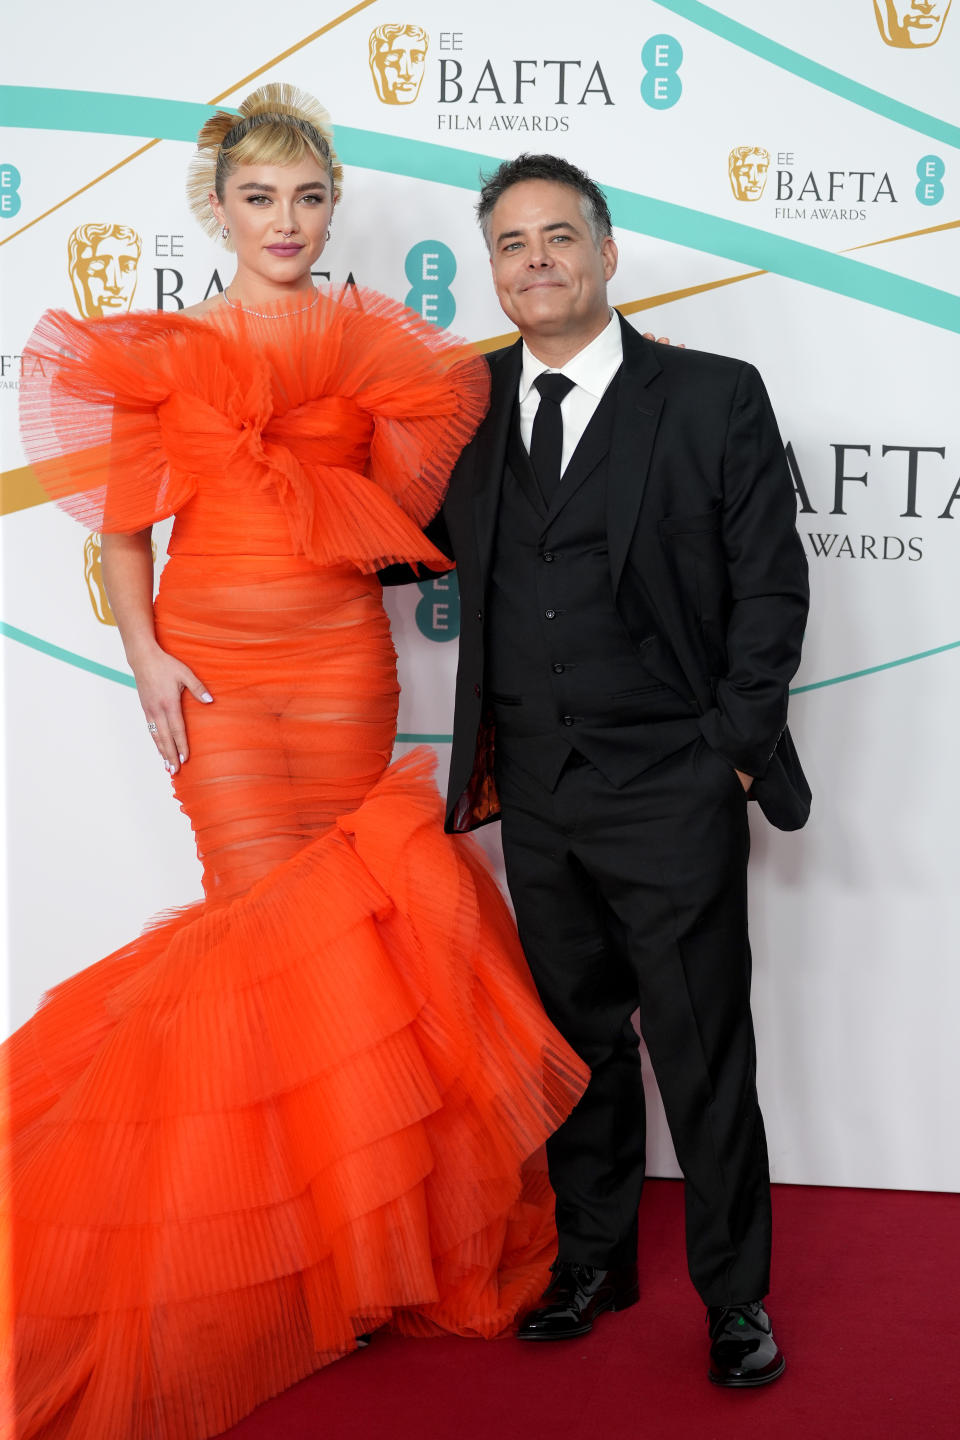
<point x="767" y="577"/>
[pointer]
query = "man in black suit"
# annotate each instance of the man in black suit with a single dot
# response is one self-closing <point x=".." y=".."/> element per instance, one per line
<point x="633" y="599"/>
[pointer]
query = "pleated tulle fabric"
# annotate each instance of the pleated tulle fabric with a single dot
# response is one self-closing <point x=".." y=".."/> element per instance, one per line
<point x="313" y="1102"/>
<point x="349" y="414"/>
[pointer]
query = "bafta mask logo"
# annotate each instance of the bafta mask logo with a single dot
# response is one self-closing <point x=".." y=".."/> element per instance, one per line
<point x="747" y="166"/>
<point x="93" y="576"/>
<point x="398" y="54"/>
<point x="103" y="263"/>
<point x="911" y="24"/>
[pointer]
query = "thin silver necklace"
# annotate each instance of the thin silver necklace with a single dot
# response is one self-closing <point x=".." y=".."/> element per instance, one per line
<point x="280" y="315"/>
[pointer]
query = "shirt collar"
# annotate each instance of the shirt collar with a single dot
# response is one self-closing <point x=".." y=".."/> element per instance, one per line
<point x="592" y="368"/>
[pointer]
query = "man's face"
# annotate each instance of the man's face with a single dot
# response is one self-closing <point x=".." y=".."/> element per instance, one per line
<point x="749" y="174"/>
<point x="106" y="276"/>
<point x="549" y="275"/>
<point x="911" y="24"/>
<point x="399" y="67"/>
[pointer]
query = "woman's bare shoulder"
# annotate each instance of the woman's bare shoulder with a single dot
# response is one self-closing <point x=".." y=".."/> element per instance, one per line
<point x="204" y="307"/>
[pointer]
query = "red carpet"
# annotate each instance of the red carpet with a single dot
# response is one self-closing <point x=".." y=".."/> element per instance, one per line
<point x="866" y="1304"/>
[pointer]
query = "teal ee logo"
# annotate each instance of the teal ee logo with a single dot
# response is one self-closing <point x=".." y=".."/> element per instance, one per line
<point x="661" y="86"/>
<point x="931" y="171"/>
<point x="9" y="185"/>
<point x="438" y="612"/>
<point x="431" y="267"/>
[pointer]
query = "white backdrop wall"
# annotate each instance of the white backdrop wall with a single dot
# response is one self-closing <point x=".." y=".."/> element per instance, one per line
<point x="846" y="143"/>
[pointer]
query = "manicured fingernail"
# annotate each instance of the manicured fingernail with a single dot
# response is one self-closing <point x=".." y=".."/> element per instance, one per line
<point x="207" y="698"/>
<point x="182" y="759"/>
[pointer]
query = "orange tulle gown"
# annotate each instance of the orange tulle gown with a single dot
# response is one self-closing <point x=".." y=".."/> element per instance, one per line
<point x="307" y="1105"/>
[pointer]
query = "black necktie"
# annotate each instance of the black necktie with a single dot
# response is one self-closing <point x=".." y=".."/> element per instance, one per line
<point x="546" y="441"/>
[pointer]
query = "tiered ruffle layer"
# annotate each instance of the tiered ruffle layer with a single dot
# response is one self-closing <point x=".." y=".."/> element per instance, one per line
<point x="266" y="1127"/>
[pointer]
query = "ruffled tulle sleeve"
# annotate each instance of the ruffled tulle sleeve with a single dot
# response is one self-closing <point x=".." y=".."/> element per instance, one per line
<point x="90" y="403"/>
<point x="349" y="412"/>
<point x="425" y="391"/>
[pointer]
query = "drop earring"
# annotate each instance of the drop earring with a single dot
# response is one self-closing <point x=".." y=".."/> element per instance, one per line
<point x="224" y="232"/>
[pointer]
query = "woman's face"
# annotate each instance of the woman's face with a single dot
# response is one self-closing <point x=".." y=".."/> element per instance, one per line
<point x="278" y="217"/>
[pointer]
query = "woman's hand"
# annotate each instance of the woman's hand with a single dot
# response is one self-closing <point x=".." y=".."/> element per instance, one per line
<point x="161" y="680"/>
<point x="661" y="339"/>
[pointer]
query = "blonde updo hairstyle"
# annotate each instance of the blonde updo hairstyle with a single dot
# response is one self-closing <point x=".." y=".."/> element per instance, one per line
<point x="277" y="125"/>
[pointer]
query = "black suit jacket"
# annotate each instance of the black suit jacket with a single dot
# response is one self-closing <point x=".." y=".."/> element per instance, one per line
<point x="701" y="526"/>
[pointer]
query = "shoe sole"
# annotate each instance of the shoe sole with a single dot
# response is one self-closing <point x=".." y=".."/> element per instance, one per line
<point x="622" y="1302"/>
<point x="748" y="1382"/>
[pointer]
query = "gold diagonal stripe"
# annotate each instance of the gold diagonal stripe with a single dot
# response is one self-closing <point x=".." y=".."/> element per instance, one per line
<point x="650" y="302"/>
<point x="89" y="186"/>
<point x="20" y="490"/>
<point x="908" y="235"/>
<point x="284" y="54"/>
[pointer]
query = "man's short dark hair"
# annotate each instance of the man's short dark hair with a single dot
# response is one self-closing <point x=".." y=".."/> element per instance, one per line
<point x="593" y="202"/>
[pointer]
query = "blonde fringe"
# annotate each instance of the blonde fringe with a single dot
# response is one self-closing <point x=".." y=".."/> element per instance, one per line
<point x="292" y="110"/>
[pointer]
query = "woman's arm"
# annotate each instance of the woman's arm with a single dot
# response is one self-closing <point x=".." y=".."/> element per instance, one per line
<point x="128" y="579"/>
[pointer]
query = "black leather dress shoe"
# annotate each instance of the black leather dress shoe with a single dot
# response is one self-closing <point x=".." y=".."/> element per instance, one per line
<point x="743" y="1350"/>
<point x="576" y="1295"/>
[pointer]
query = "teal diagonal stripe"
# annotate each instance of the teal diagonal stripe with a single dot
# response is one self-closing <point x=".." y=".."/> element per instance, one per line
<point x="420" y="160"/>
<point x="790" y="258"/>
<point x="95" y="112"/>
<point x="66" y="657"/>
<point x="765" y="49"/>
<point x="121" y="677"/>
<point x="876" y="669"/>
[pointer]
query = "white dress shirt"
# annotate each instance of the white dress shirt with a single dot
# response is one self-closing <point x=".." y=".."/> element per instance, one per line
<point x="591" y="371"/>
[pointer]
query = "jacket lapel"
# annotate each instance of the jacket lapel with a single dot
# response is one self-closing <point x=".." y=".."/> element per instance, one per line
<point x="490" y="451"/>
<point x="635" y="422"/>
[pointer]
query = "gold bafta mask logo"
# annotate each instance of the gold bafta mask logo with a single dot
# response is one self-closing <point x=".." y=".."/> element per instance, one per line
<point x="911" y="24"/>
<point x="93" y="576"/>
<point x="103" y="261"/>
<point x="398" y="54"/>
<point x="747" y="166"/>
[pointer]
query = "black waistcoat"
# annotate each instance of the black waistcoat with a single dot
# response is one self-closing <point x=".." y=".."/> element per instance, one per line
<point x="563" y="672"/>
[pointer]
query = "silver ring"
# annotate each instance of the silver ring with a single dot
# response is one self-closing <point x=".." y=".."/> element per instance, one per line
<point x="152" y="726"/>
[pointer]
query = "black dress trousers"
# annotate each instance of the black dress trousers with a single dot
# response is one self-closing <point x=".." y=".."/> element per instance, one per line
<point x="634" y="897"/>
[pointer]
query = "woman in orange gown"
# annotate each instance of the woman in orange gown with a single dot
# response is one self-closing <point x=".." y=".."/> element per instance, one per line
<point x="307" y="1105"/>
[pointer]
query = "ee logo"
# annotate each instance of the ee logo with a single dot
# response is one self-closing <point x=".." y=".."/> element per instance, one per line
<point x="931" y="170"/>
<point x="438" y="612"/>
<point x="661" y="58"/>
<point x="431" y="267"/>
<point x="9" y="186"/>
